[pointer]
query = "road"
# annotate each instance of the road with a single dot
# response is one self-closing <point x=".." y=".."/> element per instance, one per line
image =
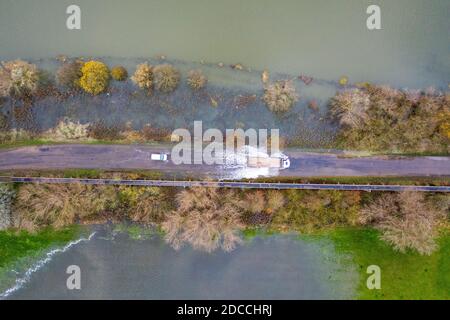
<point x="303" y="164"/>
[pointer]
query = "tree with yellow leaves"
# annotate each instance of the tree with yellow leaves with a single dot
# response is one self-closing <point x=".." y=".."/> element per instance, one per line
<point x="95" y="77"/>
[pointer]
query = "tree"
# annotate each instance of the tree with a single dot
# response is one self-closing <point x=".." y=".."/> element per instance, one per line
<point x="69" y="74"/>
<point x="406" y="221"/>
<point x="280" y="96"/>
<point x="18" y="78"/>
<point x="166" y="78"/>
<point x="119" y="73"/>
<point x="143" y="77"/>
<point x="206" y="218"/>
<point x="95" y="77"/>
<point x="196" y="79"/>
<point x="350" y="108"/>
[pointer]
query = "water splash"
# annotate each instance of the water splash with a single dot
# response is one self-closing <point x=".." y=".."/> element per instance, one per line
<point x="20" y="282"/>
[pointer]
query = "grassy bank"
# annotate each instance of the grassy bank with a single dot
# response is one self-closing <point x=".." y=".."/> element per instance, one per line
<point x="403" y="276"/>
<point x="16" y="245"/>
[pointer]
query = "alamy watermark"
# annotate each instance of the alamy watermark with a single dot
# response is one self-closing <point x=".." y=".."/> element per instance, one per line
<point x="223" y="148"/>
<point x="73" y="21"/>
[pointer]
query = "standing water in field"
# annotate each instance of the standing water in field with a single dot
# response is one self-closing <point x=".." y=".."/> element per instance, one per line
<point x="322" y="38"/>
<point x="119" y="267"/>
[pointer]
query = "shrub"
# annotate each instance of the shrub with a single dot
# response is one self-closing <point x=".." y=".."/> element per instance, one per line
<point x="150" y="133"/>
<point x="166" y="78"/>
<point x="444" y="123"/>
<point x="59" y="205"/>
<point x="196" y="79"/>
<point x="146" y="205"/>
<point x="95" y="77"/>
<point x="68" y="130"/>
<point x="313" y="211"/>
<point x="280" y="96"/>
<point x="206" y="218"/>
<point x="143" y="77"/>
<point x="19" y="78"/>
<point x="4" y="125"/>
<point x="405" y="220"/>
<point x="101" y="131"/>
<point x="255" y="202"/>
<point x="6" y="198"/>
<point x="119" y="73"/>
<point x="5" y="82"/>
<point x="15" y="135"/>
<point x="275" y="201"/>
<point x="343" y="81"/>
<point x="69" y="74"/>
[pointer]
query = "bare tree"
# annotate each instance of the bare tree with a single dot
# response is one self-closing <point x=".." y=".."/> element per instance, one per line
<point x="206" y="218"/>
<point x="406" y="220"/>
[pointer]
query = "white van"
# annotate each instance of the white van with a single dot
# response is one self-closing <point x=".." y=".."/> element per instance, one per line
<point x="159" y="156"/>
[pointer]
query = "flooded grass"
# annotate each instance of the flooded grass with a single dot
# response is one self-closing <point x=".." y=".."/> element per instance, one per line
<point x="17" y="244"/>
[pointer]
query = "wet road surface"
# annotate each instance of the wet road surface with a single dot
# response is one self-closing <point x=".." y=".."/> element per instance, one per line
<point x="303" y="164"/>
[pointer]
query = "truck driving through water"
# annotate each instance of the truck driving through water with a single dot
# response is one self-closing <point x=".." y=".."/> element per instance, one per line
<point x="255" y="158"/>
<point x="279" y="161"/>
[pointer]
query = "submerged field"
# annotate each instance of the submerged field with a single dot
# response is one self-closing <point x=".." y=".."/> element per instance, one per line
<point x="343" y="254"/>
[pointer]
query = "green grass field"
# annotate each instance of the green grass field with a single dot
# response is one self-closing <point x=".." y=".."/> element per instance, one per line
<point x="16" y="245"/>
<point x="403" y="276"/>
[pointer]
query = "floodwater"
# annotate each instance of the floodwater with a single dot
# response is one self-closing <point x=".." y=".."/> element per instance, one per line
<point x="322" y="38"/>
<point x="275" y="267"/>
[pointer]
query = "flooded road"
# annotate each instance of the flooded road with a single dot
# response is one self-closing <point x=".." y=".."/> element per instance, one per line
<point x="131" y="157"/>
<point x="322" y="38"/>
<point x="276" y="267"/>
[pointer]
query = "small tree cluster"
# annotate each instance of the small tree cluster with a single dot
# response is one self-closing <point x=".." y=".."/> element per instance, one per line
<point x="280" y="96"/>
<point x="206" y="218"/>
<point x="59" y="205"/>
<point x="68" y="130"/>
<point x="18" y="78"/>
<point x="381" y="118"/>
<point x="406" y="221"/>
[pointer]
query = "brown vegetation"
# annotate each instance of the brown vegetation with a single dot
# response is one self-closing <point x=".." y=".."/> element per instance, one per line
<point x="101" y="131"/>
<point x="57" y="205"/>
<point x="207" y="218"/>
<point x="166" y="78"/>
<point x="280" y="96"/>
<point x="385" y="119"/>
<point x="18" y="78"/>
<point x="150" y="133"/>
<point x="143" y="77"/>
<point x="69" y="74"/>
<point x="146" y="205"/>
<point x="406" y="221"/>
<point x="196" y="79"/>
<point x="312" y="211"/>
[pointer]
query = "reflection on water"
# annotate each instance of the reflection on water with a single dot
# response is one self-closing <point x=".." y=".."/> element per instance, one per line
<point x="273" y="267"/>
<point x="326" y="39"/>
